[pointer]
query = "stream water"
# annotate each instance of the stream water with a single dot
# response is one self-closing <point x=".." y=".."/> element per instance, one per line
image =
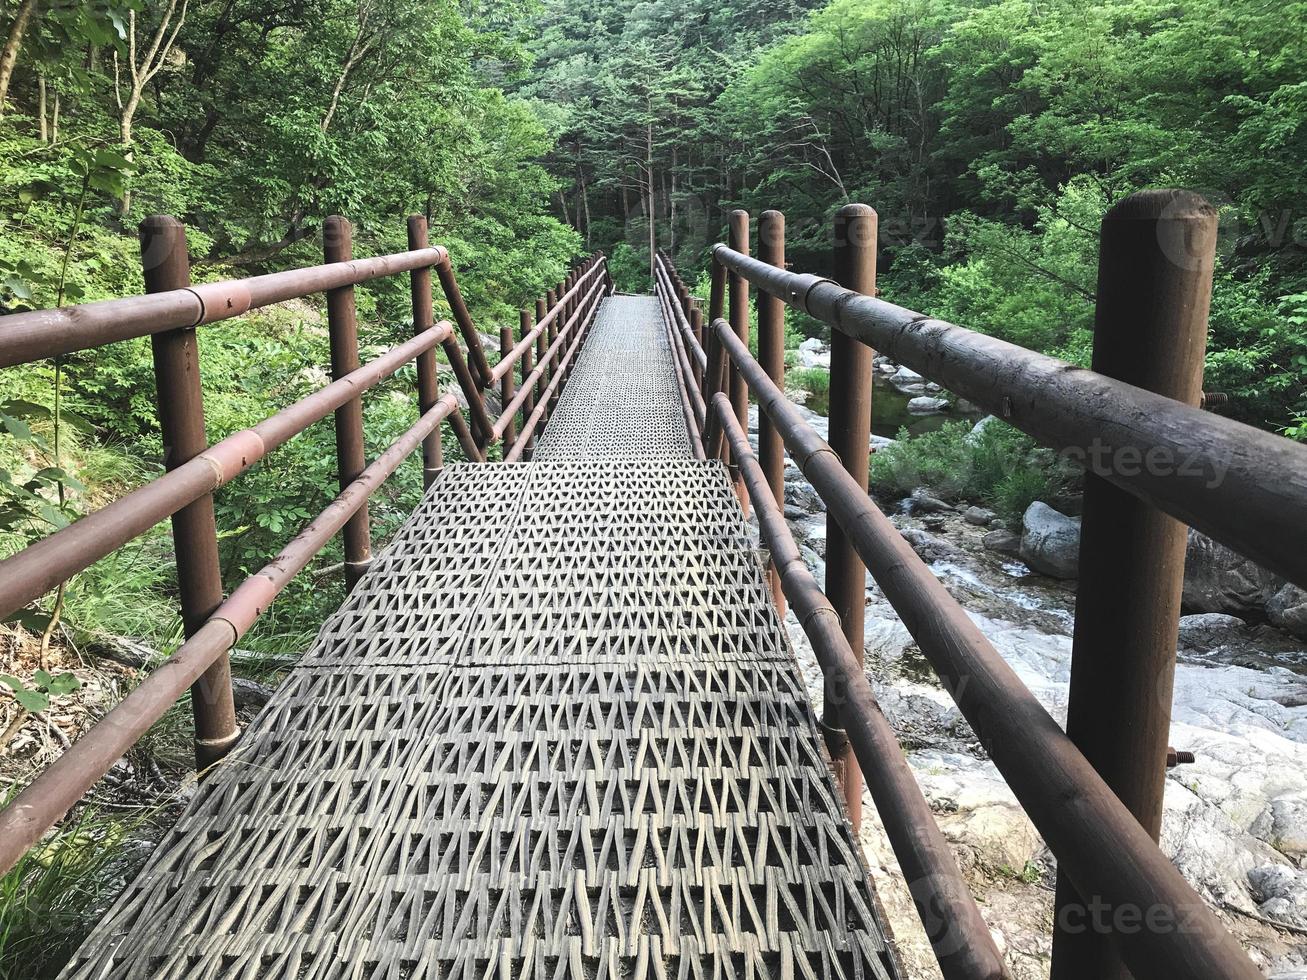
<point x="889" y="411"/>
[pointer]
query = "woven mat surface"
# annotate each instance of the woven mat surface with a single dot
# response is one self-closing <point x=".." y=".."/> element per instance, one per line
<point x="556" y="731"/>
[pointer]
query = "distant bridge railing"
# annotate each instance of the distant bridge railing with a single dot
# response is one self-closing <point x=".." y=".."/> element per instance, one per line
<point x="1094" y="791"/>
<point x="169" y="314"/>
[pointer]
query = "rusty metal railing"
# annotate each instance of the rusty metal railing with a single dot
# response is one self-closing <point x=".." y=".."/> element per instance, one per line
<point x="1094" y="792"/>
<point x="169" y="314"/>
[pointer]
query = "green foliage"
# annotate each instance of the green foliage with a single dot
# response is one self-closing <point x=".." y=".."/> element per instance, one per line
<point x="997" y="465"/>
<point x="58" y="889"/>
<point x="36" y="695"/>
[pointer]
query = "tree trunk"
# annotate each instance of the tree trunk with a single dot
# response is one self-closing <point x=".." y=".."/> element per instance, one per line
<point x="13" y="43"/>
<point x="562" y="203"/>
<point x="40" y="109"/>
<point x="54" y="120"/>
<point x="585" y="207"/>
<point x="125" y="136"/>
<point x="649" y="175"/>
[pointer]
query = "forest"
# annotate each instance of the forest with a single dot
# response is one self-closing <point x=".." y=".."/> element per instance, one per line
<point x="990" y="136"/>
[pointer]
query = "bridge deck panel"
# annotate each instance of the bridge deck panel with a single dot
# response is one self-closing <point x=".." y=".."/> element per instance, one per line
<point x="556" y="731"/>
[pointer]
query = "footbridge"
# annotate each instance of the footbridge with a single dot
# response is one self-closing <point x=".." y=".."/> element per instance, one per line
<point x="557" y="728"/>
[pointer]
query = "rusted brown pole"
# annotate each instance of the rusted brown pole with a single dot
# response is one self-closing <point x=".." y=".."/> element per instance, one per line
<point x="771" y="355"/>
<point x="957" y="931"/>
<point x="1095" y="838"/>
<point x="506" y="389"/>
<point x="194" y="530"/>
<point x="528" y="365"/>
<point x="696" y="328"/>
<point x="737" y="291"/>
<point x="423" y="319"/>
<point x="342" y="326"/>
<point x="1150" y="330"/>
<point x="479" y="366"/>
<point x="542" y="345"/>
<point x="854" y="265"/>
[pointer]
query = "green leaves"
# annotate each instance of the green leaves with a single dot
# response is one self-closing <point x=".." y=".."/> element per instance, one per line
<point x="44" y="687"/>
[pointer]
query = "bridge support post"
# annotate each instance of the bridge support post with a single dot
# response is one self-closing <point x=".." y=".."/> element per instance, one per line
<point x="854" y="267"/>
<point x="1150" y="329"/>
<point x="433" y="459"/>
<point x="771" y="355"/>
<point x="542" y="345"/>
<point x="506" y="387"/>
<point x="738" y="292"/>
<point x="524" y="327"/>
<point x="696" y="328"/>
<point x="342" y="325"/>
<point x="194" y="529"/>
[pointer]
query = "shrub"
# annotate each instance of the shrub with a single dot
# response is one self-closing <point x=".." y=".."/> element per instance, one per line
<point x="997" y="465"/>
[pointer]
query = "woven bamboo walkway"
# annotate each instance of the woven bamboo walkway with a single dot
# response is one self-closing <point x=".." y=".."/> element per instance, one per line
<point x="556" y="731"/>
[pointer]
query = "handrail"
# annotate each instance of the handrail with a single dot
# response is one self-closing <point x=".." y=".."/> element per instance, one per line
<point x="1244" y="487"/>
<point x="45" y="800"/>
<point x="510" y="410"/>
<point x="1096" y="840"/>
<point x="514" y="355"/>
<point x="169" y="312"/>
<point x="956" y="929"/>
<point x="59" y="556"/>
<point x="39" y="334"/>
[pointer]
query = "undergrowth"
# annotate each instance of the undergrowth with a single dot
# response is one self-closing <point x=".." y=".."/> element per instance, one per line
<point x="995" y="464"/>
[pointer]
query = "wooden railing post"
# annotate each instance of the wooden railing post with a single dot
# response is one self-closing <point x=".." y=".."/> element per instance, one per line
<point x="771" y="355"/>
<point x="696" y="328"/>
<point x="542" y="345"/>
<point x="506" y="388"/>
<point x="423" y="319"/>
<point x="854" y="267"/>
<point x="1150" y="330"/>
<point x="342" y="326"/>
<point x="737" y="289"/>
<point x="525" y="325"/>
<point x="194" y="529"/>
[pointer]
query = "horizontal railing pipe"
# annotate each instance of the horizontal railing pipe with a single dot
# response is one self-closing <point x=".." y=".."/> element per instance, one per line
<point x="1245" y="487"/>
<point x="555" y="381"/>
<point x="65" y="781"/>
<point x="507" y="361"/>
<point x="1098" y="843"/>
<point x="40" y="334"/>
<point x="43" y="565"/>
<point x="546" y="361"/>
<point x="957" y="931"/>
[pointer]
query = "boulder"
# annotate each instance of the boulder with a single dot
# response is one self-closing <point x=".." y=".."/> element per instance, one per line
<point x="1218" y="579"/>
<point x="929" y="547"/>
<point x="1050" y="542"/>
<point x="922" y="502"/>
<point x="1287" y="609"/>
<point x="906" y="376"/>
<point x="1206" y="631"/>
<point x="979" y="516"/>
<point x="981" y="426"/>
<point x="925" y="405"/>
<point x="1003" y="541"/>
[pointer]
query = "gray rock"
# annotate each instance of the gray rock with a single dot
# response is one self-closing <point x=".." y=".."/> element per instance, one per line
<point x="929" y="547"/>
<point x="1003" y="541"/>
<point x="812" y="344"/>
<point x="1281" y="892"/>
<point x="979" y="516"/>
<point x="1206" y="631"/>
<point x="1218" y="579"/>
<point x="1287" y="609"/>
<point x="921" y="502"/>
<point x="982" y="425"/>
<point x="1050" y="542"/>
<point x="924" y="405"/>
<point x="906" y="376"/>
